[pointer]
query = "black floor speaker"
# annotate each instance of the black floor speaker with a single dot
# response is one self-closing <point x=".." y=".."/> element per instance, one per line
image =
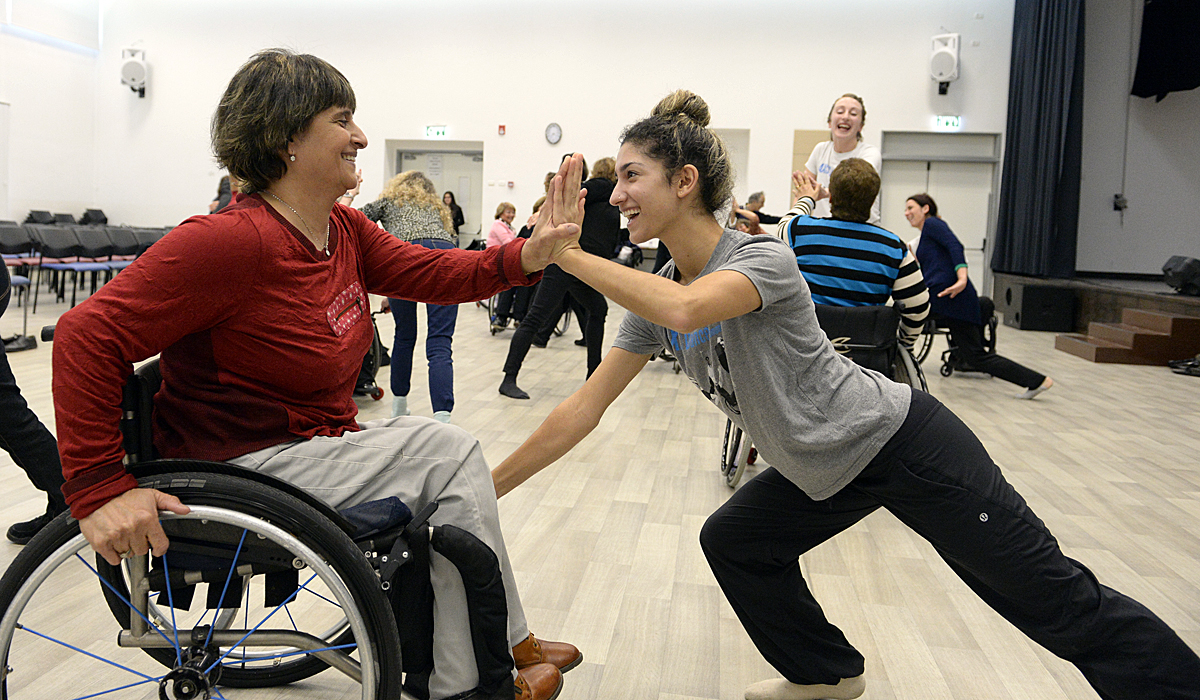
<point x="1034" y="308"/>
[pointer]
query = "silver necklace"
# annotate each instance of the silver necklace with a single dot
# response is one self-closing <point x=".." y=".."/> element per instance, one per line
<point x="306" y="226"/>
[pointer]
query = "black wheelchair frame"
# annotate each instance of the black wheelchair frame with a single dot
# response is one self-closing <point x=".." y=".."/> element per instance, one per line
<point x="951" y="359"/>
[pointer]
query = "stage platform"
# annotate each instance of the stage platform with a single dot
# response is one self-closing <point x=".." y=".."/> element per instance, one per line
<point x="1103" y="299"/>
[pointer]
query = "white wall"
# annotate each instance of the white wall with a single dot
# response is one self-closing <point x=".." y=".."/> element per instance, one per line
<point x="48" y="76"/>
<point x="1158" y="168"/>
<point x="769" y="66"/>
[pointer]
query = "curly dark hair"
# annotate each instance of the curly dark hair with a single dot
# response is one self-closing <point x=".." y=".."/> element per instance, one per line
<point x="675" y="134"/>
<point x="271" y="98"/>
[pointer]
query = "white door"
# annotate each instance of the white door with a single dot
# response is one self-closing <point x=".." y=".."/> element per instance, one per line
<point x="962" y="190"/>
<point x="460" y="173"/>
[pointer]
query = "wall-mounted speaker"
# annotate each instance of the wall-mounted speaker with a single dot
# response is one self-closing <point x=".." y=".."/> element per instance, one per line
<point x="943" y="64"/>
<point x="1033" y="308"/>
<point x="133" y="70"/>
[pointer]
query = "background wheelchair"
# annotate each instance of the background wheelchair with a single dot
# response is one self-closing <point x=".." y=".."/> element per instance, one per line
<point x="293" y="589"/>
<point x="868" y="335"/>
<point x="951" y="360"/>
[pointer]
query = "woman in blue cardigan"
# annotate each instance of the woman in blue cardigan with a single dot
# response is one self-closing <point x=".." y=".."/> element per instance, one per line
<point x="953" y="299"/>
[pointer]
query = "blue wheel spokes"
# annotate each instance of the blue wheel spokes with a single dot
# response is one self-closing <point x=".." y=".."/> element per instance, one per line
<point x="228" y="577"/>
<point x="124" y="687"/>
<point x="171" y="604"/>
<point x="72" y="647"/>
<point x="125" y="600"/>
<point x="290" y="598"/>
<point x="331" y="602"/>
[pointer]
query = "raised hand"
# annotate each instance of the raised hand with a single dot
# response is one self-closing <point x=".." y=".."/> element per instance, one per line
<point x="561" y="218"/>
<point x="804" y="185"/>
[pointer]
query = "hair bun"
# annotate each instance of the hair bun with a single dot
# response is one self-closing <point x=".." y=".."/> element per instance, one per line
<point x="684" y="103"/>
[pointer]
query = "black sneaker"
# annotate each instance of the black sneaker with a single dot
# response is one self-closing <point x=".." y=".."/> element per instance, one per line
<point x="21" y="533"/>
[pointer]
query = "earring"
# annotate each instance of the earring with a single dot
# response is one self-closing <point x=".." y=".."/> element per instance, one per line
<point x="293" y="158"/>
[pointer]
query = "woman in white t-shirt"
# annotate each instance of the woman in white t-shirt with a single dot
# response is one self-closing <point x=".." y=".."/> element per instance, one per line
<point x="846" y="119"/>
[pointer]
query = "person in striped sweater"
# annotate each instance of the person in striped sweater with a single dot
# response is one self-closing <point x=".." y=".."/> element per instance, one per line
<point x="848" y="262"/>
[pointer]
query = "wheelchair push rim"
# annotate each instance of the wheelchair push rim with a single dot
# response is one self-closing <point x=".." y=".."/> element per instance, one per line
<point x="63" y="655"/>
<point x="735" y="454"/>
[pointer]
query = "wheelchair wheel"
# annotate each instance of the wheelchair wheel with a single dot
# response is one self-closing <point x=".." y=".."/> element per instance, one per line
<point x="564" y="322"/>
<point x="906" y="370"/>
<point x="57" y="637"/>
<point x="924" y="343"/>
<point x="735" y="454"/>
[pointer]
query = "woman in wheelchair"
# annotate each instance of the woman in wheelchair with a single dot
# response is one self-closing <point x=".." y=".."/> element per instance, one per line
<point x="260" y="316"/>
<point x="842" y="442"/>
<point x="955" y="302"/>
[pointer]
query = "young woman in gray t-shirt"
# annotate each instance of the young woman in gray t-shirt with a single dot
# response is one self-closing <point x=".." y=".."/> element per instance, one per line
<point x="842" y="441"/>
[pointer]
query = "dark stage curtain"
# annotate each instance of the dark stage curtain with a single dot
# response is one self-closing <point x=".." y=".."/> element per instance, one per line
<point x="1039" y="197"/>
<point x="1169" y="53"/>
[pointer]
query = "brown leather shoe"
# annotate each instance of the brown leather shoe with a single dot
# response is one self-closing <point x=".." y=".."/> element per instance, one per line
<point x="538" y="682"/>
<point x="534" y="651"/>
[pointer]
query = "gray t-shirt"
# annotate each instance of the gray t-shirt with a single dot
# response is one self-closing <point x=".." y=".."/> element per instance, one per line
<point x="813" y="414"/>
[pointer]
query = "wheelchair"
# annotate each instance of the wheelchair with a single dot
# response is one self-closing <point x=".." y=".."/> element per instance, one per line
<point x="867" y="335"/>
<point x="951" y="359"/>
<point x="293" y="588"/>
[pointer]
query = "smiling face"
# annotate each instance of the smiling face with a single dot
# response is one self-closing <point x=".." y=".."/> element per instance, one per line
<point x="508" y="216"/>
<point x="447" y="199"/>
<point x="326" y="151"/>
<point x="644" y="194"/>
<point x="845" y="119"/>
<point x="915" y="213"/>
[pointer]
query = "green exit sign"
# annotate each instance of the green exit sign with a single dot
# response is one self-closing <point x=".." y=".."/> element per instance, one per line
<point x="948" y="121"/>
<point x="435" y="132"/>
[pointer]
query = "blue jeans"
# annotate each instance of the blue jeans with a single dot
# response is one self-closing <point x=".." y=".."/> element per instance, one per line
<point x="441" y="320"/>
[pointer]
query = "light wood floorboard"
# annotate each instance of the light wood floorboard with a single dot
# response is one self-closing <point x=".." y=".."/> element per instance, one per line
<point x="605" y="548"/>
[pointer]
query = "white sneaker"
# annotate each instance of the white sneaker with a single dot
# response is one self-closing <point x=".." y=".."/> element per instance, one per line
<point x="399" y="406"/>
<point x="1030" y="393"/>
<point x="781" y="689"/>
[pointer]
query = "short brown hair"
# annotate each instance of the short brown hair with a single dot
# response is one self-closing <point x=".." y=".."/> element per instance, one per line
<point x="270" y="99"/>
<point x="853" y="186"/>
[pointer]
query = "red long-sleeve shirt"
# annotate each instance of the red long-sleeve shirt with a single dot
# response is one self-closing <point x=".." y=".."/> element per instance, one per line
<point x="261" y="336"/>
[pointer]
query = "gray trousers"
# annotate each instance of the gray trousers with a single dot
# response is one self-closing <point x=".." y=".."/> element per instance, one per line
<point x="418" y="460"/>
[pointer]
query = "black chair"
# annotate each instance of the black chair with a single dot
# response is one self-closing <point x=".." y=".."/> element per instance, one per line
<point x="147" y="237"/>
<point x="64" y="219"/>
<point x="92" y="217"/>
<point x="39" y="216"/>
<point x="72" y="255"/>
<point x="126" y="247"/>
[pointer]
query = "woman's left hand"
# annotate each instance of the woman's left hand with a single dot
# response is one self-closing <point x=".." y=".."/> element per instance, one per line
<point x="560" y="219"/>
<point x="953" y="290"/>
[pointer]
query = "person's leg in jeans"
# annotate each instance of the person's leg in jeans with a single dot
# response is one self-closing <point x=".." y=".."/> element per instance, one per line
<point x="440" y="328"/>
<point x="404" y="313"/>
<point x="937" y="478"/>
<point x="32" y="448"/>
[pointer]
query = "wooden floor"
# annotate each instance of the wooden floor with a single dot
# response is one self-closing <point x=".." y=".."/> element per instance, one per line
<point x="605" y="543"/>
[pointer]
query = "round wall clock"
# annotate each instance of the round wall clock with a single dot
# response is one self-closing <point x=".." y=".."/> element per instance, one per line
<point x="553" y="132"/>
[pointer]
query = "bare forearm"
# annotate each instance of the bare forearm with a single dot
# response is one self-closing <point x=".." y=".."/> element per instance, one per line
<point x="562" y="430"/>
<point x="654" y="298"/>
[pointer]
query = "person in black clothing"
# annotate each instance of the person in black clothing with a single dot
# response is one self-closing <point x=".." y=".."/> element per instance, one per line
<point x="601" y="232"/>
<point x="27" y="441"/>
<point x="456" y="215"/>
